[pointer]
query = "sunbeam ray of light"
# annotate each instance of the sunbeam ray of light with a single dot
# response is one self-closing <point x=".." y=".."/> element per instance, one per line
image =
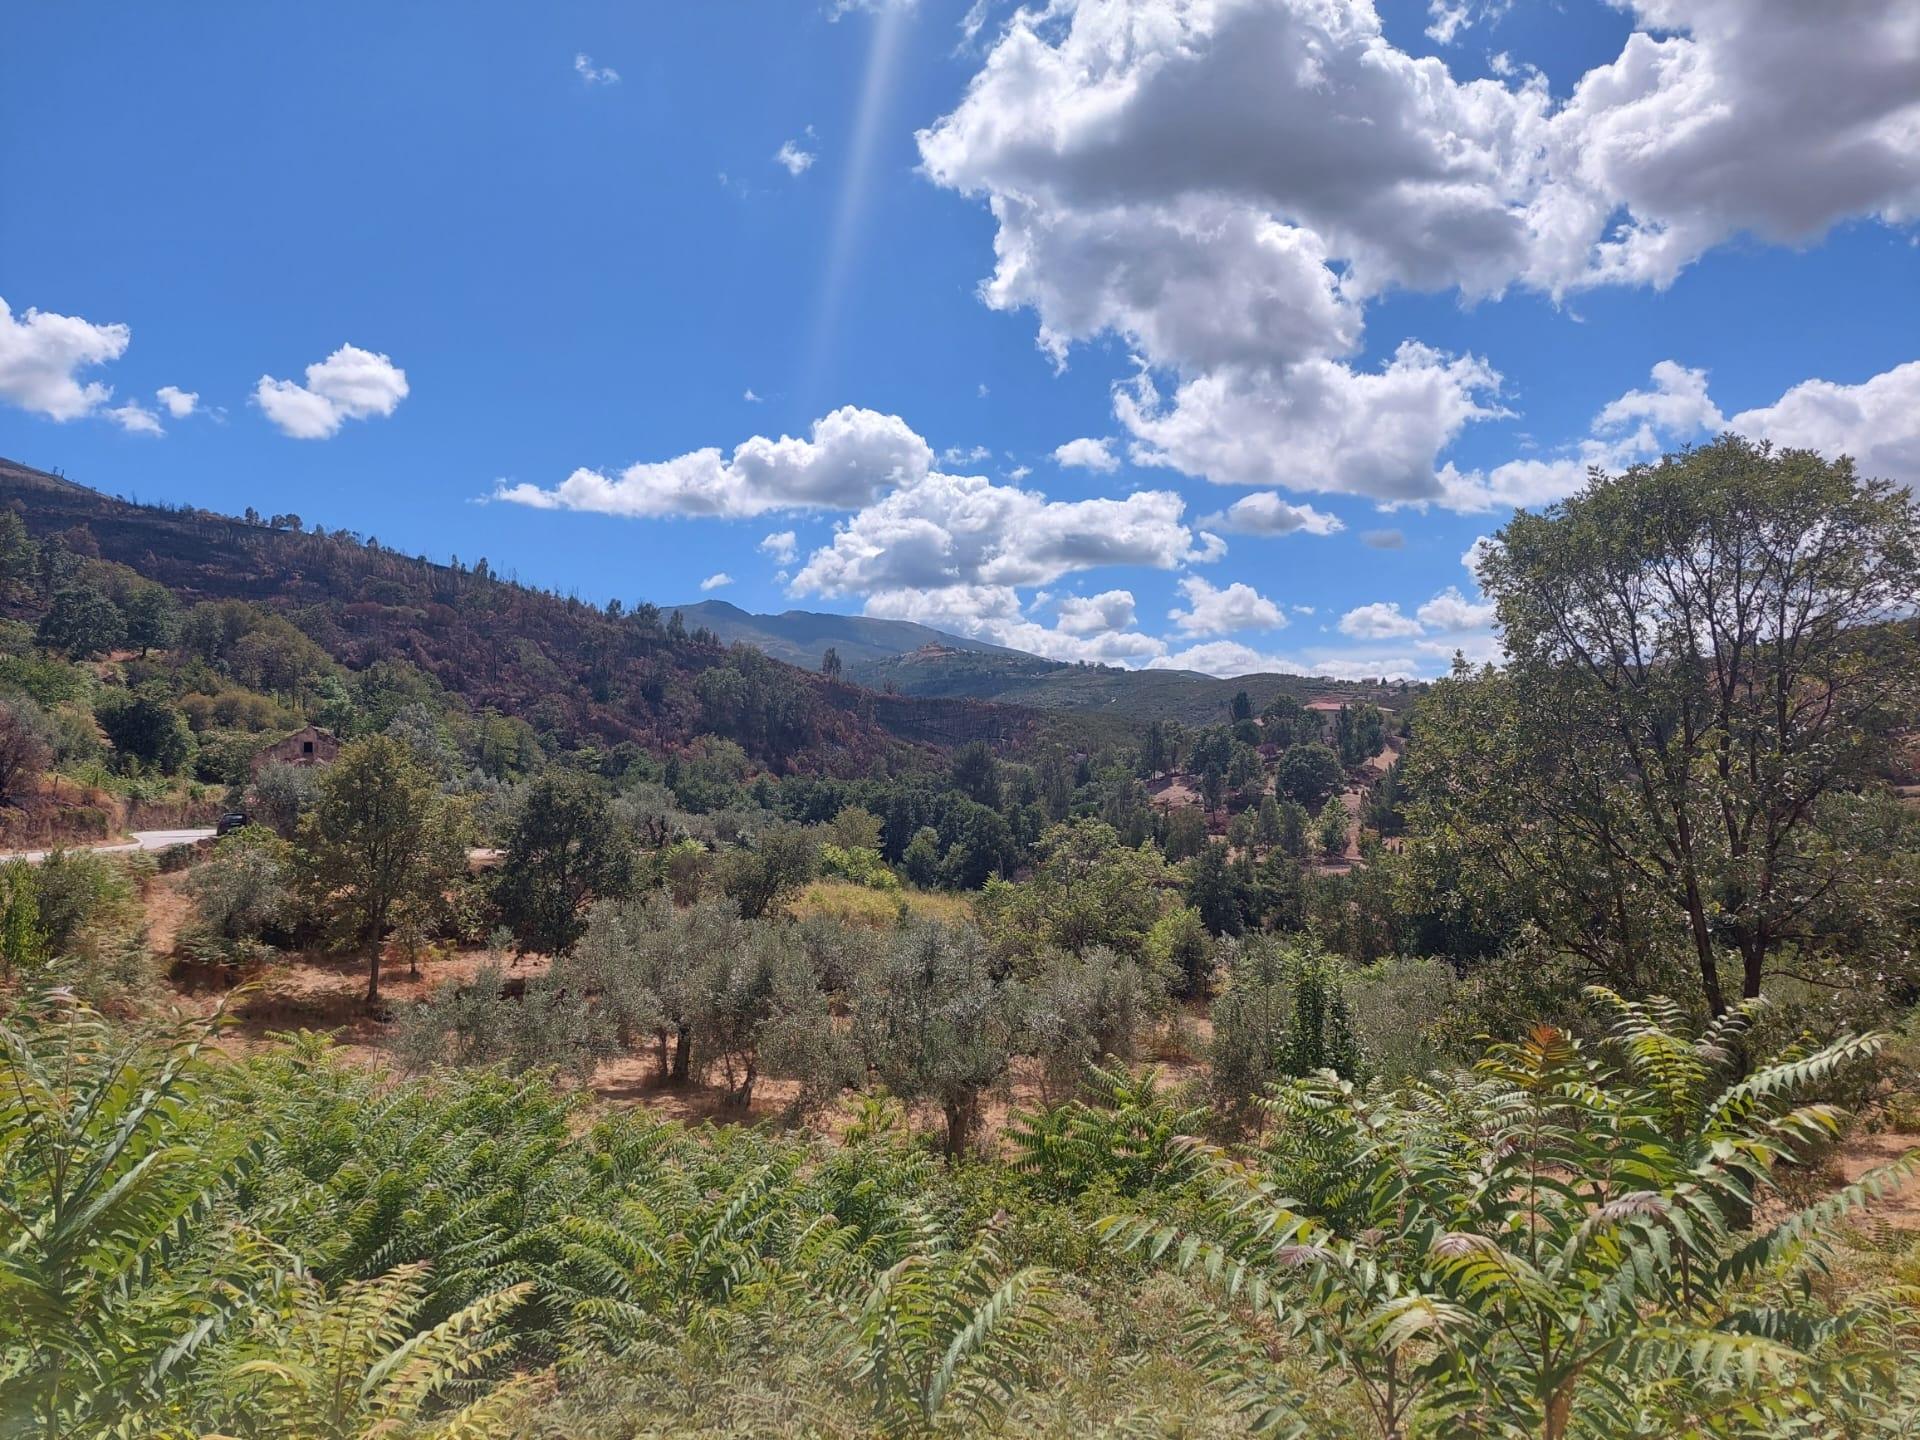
<point x="884" y="52"/>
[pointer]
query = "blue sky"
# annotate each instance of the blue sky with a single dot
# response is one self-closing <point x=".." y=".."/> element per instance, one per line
<point x="1376" y="275"/>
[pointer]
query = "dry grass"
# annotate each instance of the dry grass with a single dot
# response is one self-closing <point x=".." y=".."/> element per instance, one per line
<point x="852" y="904"/>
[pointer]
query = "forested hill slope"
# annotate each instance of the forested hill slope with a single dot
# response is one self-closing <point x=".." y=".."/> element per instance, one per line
<point x="802" y="637"/>
<point x="1134" y="696"/>
<point x="575" y="672"/>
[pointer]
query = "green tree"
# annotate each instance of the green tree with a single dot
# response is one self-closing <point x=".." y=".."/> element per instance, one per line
<point x="1081" y="1009"/>
<point x="1216" y="890"/>
<point x="1699" y="652"/>
<point x="146" y="731"/>
<point x="1333" y="828"/>
<point x="1087" y="890"/>
<point x="935" y="1024"/>
<point x="761" y="877"/>
<point x="153" y="618"/>
<point x="921" y="858"/>
<point x="81" y="622"/>
<point x="1308" y="774"/>
<point x="976" y="774"/>
<point x="564" y="850"/>
<point x="379" y="835"/>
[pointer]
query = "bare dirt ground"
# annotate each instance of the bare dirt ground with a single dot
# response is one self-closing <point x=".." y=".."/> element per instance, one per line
<point x="1899" y="1210"/>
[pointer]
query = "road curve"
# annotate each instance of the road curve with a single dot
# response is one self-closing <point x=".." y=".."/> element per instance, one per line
<point x="142" y="840"/>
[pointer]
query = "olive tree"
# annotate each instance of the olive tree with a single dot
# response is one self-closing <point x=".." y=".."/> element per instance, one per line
<point x="935" y="1024"/>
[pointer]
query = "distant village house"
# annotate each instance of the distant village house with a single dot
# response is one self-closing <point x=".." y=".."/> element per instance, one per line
<point x="310" y="746"/>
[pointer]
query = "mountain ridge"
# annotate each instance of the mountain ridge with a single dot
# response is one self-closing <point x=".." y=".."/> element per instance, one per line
<point x="802" y="637"/>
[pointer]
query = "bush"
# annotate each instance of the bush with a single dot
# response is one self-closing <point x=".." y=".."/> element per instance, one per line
<point x="1080" y="1010"/>
<point x="1284" y="1012"/>
<point x="858" y="865"/>
<point x="1399" y="1006"/>
<point x="242" y="896"/>
<point x="281" y="795"/>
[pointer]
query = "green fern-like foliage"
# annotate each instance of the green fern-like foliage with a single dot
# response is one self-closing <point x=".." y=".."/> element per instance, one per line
<point x="1553" y="1250"/>
<point x="109" y="1190"/>
<point x="355" y="1364"/>
<point x="942" y="1335"/>
<point x="1122" y="1134"/>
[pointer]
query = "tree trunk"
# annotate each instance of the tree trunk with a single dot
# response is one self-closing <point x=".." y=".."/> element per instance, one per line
<point x="682" y="1054"/>
<point x="1753" y="961"/>
<point x="1703" y="949"/>
<point x="373" y="971"/>
<point x="962" y="1115"/>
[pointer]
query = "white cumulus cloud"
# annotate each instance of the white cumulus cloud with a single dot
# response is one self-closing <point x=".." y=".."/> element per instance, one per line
<point x="1092" y="614"/>
<point x="782" y="545"/>
<point x="180" y="403"/>
<point x="1877" y="422"/>
<point x="850" y="458"/>
<point x="716" y="580"/>
<point x="940" y="530"/>
<point x="1087" y="453"/>
<point x="1212" y="610"/>
<point x="1451" y="611"/>
<point x="1381" y="620"/>
<point x="1225" y="185"/>
<point x="1265" y="513"/>
<point x="135" y="418"/>
<point x="350" y="384"/>
<point x="41" y="354"/>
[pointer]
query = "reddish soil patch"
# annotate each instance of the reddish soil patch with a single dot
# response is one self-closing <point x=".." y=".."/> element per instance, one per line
<point x="328" y="993"/>
<point x="167" y="909"/>
<point x="1899" y="1209"/>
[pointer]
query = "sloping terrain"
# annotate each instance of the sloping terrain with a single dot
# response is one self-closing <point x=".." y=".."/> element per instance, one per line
<point x="573" y="671"/>
<point x="801" y="637"/>
<point x="1012" y="678"/>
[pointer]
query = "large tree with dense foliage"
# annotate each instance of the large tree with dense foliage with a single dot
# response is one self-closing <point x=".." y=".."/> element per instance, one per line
<point x="1701" y="653"/>
<point x="1087" y="890"/>
<point x="1308" y="774"/>
<point x="81" y="622"/>
<point x="379" y="835"/>
<point x="564" y="849"/>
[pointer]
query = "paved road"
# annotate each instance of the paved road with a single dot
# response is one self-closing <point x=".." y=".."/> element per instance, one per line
<point x="142" y="840"/>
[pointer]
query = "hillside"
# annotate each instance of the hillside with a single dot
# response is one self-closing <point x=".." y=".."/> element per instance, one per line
<point x="898" y="657"/>
<point x="575" y="672"/>
<point x="1134" y="696"/>
<point x="801" y="637"/>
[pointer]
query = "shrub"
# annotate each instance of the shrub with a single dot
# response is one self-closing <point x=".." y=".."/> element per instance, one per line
<point x="1284" y="1012"/>
<point x="859" y="865"/>
<point x="1081" y="1010"/>
<point x="242" y="894"/>
<point x="1398" y="1008"/>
